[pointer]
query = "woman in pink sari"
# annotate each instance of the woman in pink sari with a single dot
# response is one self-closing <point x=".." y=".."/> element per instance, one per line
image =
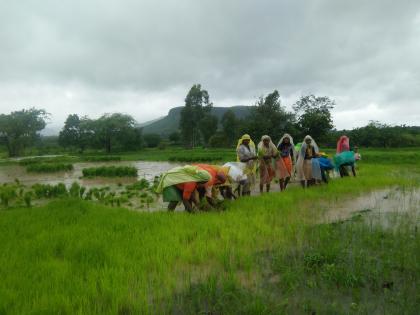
<point x="343" y="144"/>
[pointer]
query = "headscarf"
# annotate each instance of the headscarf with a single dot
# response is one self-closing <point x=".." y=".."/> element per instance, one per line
<point x="286" y="135"/>
<point x="301" y="157"/>
<point x="343" y="144"/>
<point x="182" y="174"/>
<point x="251" y="144"/>
<point x="263" y="149"/>
<point x="313" y="143"/>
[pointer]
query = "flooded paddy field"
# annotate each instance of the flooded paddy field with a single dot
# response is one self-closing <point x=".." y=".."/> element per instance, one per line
<point x="384" y="207"/>
<point x="147" y="170"/>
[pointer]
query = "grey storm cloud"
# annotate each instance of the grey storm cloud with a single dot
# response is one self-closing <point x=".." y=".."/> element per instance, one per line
<point x="142" y="56"/>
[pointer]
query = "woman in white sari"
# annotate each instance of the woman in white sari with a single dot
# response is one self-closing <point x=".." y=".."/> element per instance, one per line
<point x="307" y="165"/>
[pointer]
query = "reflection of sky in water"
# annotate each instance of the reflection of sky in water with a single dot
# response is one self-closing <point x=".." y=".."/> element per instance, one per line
<point x="145" y="169"/>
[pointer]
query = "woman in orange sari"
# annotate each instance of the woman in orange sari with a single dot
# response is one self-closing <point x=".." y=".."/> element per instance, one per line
<point x="286" y="160"/>
<point x="266" y="153"/>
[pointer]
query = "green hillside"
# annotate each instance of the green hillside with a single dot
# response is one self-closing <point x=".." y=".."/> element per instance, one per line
<point x="170" y="123"/>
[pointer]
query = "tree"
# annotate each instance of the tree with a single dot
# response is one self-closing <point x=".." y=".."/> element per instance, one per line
<point x="133" y="139"/>
<point x="269" y="117"/>
<point x="314" y="116"/>
<point x="77" y="132"/>
<point x="20" y="128"/>
<point x="230" y="127"/>
<point x="218" y="140"/>
<point x="208" y="127"/>
<point x="112" y="129"/>
<point x="175" y="137"/>
<point x="152" y="140"/>
<point x="197" y="104"/>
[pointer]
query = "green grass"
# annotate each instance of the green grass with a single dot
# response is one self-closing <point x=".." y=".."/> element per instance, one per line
<point x="264" y="255"/>
<point x="110" y="171"/>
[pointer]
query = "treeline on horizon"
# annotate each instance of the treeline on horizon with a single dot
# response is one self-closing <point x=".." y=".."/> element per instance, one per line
<point x="199" y="128"/>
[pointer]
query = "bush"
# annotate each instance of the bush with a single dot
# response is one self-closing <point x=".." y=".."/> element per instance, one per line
<point x="152" y="140"/>
<point x="218" y="140"/>
<point x="48" y="167"/>
<point x="110" y="171"/>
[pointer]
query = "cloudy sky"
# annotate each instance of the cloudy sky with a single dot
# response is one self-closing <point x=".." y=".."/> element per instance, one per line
<point x="141" y="56"/>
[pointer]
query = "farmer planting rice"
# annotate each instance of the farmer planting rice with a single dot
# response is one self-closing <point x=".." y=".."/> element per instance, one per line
<point x="236" y="178"/>
<point x="267" y="151"/>
<point x="326" y="166"/>
<point x="218" y="176"/>
<point x="286" y="160"/>
<point x="245" y="153"/>
<point x="307" y="165"/>
<point x="180" y="184"/>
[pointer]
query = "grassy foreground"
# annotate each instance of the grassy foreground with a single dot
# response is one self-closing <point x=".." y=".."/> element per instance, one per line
<point x="264" y="255"/>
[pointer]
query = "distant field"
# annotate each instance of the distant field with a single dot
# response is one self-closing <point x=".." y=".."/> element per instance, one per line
<point x="263" y="255"/>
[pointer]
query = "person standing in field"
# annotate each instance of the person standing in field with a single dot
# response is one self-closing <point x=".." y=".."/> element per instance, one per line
<point x="180" y="184"/>
<point x="286" y="160"/>
<point x="267" y="152"/>
<point x="344" y="157"/>
<point x="245" y="153"/>
<point x="343" y="144"/>
<point x="307" y="173"/>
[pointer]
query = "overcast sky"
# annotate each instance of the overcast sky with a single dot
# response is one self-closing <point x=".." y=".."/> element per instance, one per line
<point x="140" y="57"/>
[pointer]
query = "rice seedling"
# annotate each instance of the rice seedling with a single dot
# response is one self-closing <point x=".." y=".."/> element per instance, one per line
<point x="110" y="171"/>
<point x="48" y="167"/>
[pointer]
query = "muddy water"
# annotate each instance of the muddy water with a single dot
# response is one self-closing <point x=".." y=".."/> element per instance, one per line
<point x="381" y="206"/>
<point x="146" y="170"/>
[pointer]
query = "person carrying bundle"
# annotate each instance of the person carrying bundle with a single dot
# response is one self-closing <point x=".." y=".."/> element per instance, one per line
<point x="267" y="151"/>
<point x="180" y="184"/>
<point x="286" y="160"/>
<point x="246" y="154"/>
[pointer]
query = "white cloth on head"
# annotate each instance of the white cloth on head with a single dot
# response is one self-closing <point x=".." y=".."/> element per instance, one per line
<point x="301" y="159"/>
<point x="266" y="151"/>
<point x="286" y="135"/>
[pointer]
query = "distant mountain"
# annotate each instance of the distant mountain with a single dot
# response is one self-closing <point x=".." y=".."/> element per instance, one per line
<point x="170" y="123"/>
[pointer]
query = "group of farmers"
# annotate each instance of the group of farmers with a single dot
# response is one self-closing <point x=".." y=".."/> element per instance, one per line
<point x="191" y="184"/>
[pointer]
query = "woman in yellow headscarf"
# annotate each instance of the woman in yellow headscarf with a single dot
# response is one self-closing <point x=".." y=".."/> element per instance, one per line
<point x="267" y="151"/>
<point x="245" y="153"/>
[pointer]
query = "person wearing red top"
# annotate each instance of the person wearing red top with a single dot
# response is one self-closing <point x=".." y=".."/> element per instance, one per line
<point x="217" y="177"/>
<point x="187" y="191"/>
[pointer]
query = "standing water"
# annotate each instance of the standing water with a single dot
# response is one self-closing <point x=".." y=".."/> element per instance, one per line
<point x="145" y="169"/>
